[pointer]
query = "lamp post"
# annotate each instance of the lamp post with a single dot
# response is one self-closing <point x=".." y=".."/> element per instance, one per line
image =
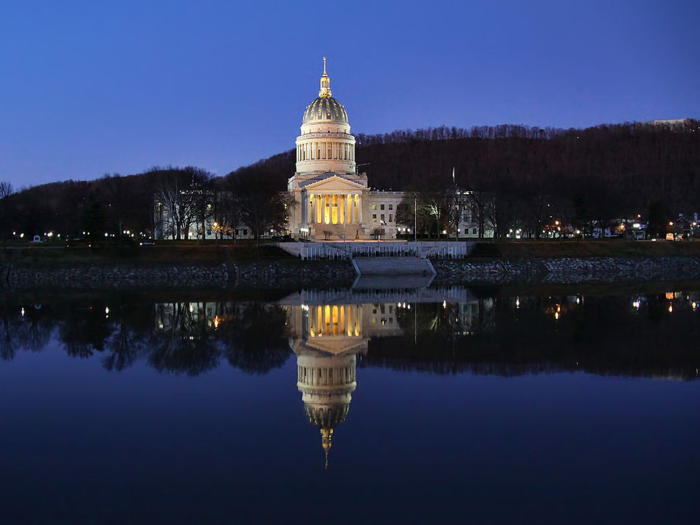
<point x="415" y="220"/>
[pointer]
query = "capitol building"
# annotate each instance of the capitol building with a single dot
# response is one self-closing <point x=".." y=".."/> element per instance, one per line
<point x="332" y="200"/>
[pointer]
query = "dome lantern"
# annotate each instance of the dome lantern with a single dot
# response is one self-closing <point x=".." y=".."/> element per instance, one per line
<point x="325" y="91"/>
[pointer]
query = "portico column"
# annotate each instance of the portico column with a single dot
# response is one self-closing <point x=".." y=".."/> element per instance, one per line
<point x="335" y="214"/>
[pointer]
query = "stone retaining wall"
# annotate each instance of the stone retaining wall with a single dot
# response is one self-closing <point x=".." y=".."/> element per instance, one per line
<point x="567" y="270"/>
<point x="263" y="274"/>
<point x="319" y="274"/>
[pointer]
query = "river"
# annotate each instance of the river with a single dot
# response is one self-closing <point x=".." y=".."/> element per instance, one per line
<point x="484" y="405"/>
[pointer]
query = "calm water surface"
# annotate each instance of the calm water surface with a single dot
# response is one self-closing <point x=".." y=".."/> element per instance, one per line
<point x="347" y="406"/>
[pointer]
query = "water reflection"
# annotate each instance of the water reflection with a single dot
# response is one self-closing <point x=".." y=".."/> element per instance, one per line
<point x="441" y="331"/>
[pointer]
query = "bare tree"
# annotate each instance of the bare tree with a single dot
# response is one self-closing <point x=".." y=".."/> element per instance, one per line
<point x="258" y="200"/>
<point x="175" y="207"/>
<point x="5" y="189"/>
<point x="5" y="192"/>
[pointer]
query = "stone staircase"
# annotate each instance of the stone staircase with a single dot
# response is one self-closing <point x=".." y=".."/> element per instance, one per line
<point x="391" y="266"/>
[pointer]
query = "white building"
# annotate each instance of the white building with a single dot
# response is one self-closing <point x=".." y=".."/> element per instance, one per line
<point x="333" y="201"/>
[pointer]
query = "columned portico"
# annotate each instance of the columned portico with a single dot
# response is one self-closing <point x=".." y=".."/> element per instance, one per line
<point x="333" y="208"/>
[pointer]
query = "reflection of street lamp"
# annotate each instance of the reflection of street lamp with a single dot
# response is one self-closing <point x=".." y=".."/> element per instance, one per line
<point x="216" y="229"/>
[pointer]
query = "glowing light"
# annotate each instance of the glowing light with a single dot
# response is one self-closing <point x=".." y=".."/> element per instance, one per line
<point x="670" y="308"/>
<point x="216" y="322"/>
<point x="556" y="315"/>
<point x="22" y="312"/>
<point x="107" y="310"/>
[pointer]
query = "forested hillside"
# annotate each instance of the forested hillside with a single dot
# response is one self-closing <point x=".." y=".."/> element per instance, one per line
<point x="597" y="173"/>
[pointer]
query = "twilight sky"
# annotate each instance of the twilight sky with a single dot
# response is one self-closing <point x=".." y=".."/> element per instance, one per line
<point x="89" y="87"/>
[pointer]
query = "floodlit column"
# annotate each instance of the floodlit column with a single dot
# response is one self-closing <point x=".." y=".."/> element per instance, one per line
<point x="341" y="210"/>
<point x="334" y="209"/>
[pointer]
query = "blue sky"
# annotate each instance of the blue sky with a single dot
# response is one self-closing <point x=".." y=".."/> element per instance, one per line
<point x="95" y="87"/>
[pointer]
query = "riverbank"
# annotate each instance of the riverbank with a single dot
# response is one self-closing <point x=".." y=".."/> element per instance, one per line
<point x="245" y="267"/>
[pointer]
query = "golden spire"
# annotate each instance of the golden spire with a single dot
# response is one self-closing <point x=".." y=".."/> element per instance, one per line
<point x="326" y="435"/>
<point x="325" y="91"/>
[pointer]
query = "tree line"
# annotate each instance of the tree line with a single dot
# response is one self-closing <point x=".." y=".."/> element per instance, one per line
<point x="169" y="200"/>
<point x="531" y="174"/>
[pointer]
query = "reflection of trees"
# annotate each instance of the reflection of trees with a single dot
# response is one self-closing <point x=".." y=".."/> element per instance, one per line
<point x="124" y="345"/>
<point x="8" y="342"/>
<point x="256" y="341"/>
<point x="30" y="331"/>
<point x="84" y="330"/>
<point x="35" y="329"/>
<point x="596" y="334"/>
<point x="186" y="345"/>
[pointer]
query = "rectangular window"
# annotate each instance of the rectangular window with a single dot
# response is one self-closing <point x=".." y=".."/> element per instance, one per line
<point x="382" y="217"/>
<point x="382" y="206"/>
<point x="374" y="217"/>
<point x="374" y="206"/>
<point x="391" y="207"/>
<point x="391" y="218"/>
<point x="474" y="231"/>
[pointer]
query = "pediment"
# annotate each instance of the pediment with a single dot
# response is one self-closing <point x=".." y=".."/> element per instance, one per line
<point x="330" y="346"/>
<point x="334" y="182"/>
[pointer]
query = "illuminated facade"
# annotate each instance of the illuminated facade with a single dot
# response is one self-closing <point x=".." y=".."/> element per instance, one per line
<point x="333" y="201"/>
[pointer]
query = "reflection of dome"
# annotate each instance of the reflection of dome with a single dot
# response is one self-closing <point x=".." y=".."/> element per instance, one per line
<point x="326" y="383"/>
<point x="325" y="108"/>
<point x="326" y="416"/>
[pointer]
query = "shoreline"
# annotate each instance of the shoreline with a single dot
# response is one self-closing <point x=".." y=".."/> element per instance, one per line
<point x="272" y="274"/>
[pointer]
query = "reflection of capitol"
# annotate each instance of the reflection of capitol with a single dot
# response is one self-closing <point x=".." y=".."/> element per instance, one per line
<point x="326" y="340"/>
